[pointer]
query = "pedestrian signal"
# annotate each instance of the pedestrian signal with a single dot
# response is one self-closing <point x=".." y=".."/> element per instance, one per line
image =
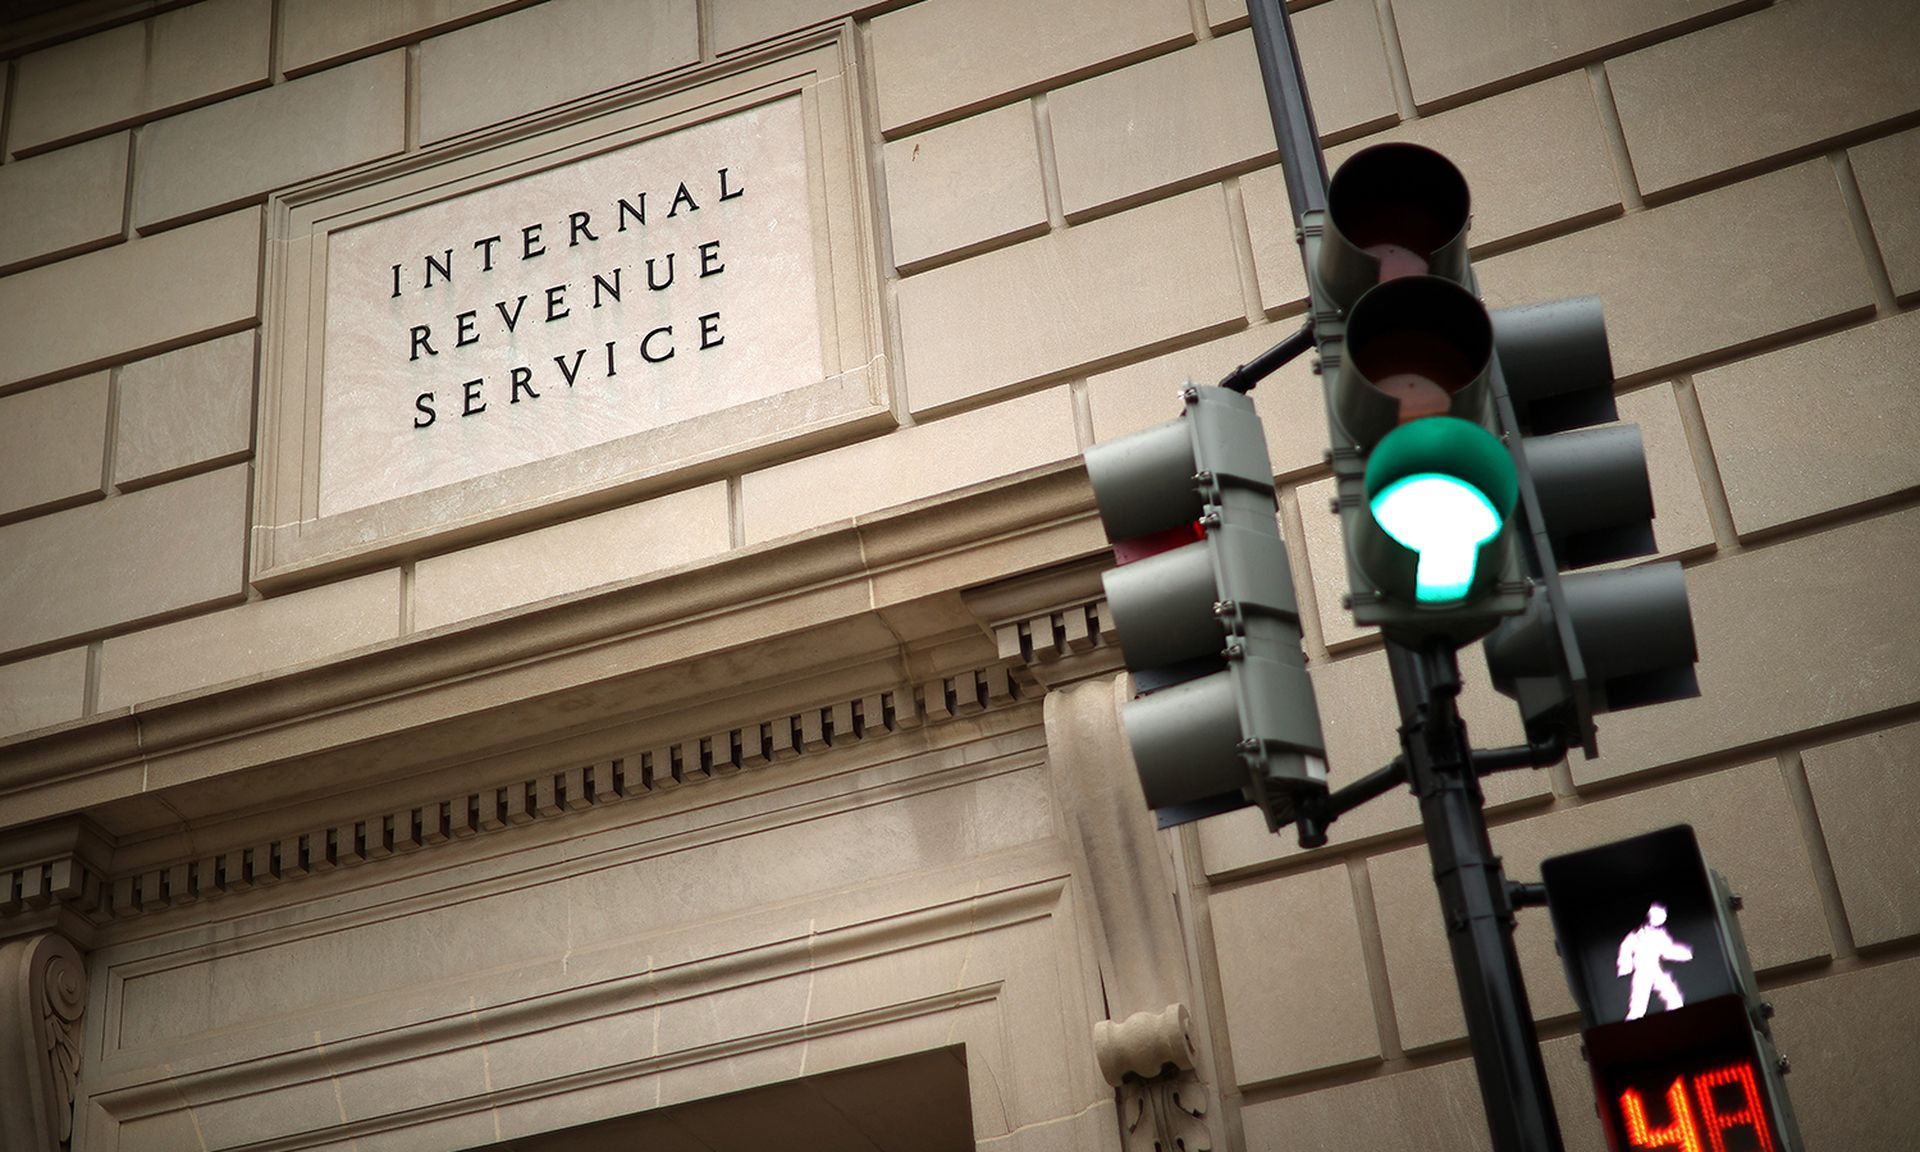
<point x="1675" y="1032"/>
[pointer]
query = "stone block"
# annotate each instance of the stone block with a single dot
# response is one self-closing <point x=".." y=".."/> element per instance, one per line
<point x="1456" y="49"/>
<point x="1160" y="273"/>
<point x="419" y="1081"/>
<point x="161" y="290"/>
<point x="1432" y="1109"/>
<point x="470" y="1129"/>
<point x="1535" y="158"/>
<point x="165" y="549"/>
<point x="240" y="149"/>
<point x="1435" y="1109"/>
<point x="1870" y="816"/>
<point x="1221" y="13"/>
<point x="1325" y="554"/>
<point x="1826" y="609"/>
<point x="945" y="58"/>
<point x="1276" y="253"/>
<point x="1747" y="829"/>
<point x="620" y="544"/>
<point x="79" y="86"/>
<point x="239" y="1120"/>
<point x="45" y="690"/>
<point x="52" y="443"/>
<point x="736" y="24"/>
<point x="1782" y="80"/>
<point x="1817" y="426"/>
<point x="63" y="202"/>
<point x="1850" y="1037"/>
<point x="913" y="463"/>
<point x="1888" y="170"/>
<point x="184" y="408"/>
<point x="1189" y="115"/>
<point x="314" y="33"/>
<point x="545" y="55"/>
<point x="1680" y="522"/>
<point x="1293" y="976"/>
<point x="964" y="185"/>
<point x="184" y="56"/>
<point x="263" y="636"/>
<point x="1705" y="275"/>
<point x="1345" y="66"/>
<point x="1289" y="401"/>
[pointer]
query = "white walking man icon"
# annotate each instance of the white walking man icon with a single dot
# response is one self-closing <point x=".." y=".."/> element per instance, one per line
<point x="1641" y="954"/>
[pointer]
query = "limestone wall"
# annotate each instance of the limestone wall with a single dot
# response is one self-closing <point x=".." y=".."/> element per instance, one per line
<point x="1042" y="217"/>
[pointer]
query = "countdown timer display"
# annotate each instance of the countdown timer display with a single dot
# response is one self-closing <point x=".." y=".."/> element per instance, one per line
<point x="1688" y="1080"/>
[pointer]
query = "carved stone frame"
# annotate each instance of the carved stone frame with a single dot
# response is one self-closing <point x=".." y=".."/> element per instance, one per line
<point x="293" y="543"/>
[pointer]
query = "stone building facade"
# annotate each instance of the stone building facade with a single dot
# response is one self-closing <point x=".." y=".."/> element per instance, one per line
<point x="673" y="705"/>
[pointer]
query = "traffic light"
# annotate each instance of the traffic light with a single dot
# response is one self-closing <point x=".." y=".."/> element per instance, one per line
<point x="1427" y="491"/>
<point x="1468" y="469"/>
<point x="1203" y="603"/>
<point x="1588" y="642"/>
<point x="1676" y="1035"/>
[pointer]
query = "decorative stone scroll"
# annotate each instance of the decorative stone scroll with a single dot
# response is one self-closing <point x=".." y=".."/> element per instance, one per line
<point x="1146" y="1049"/>
<point x="43" y="991"/>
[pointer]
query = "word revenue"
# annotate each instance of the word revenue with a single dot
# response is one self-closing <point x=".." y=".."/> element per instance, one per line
<point x="504" y="316"/>
<point x="656" y="346"/>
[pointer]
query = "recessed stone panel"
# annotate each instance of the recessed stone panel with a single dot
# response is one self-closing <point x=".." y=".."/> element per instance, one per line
<point x="615" y="295"/>
<point x="608" y="301"/>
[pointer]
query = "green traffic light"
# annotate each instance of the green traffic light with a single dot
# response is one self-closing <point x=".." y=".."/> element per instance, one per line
<point x="1441" y="488"/>
<point x="1445" y="520"/>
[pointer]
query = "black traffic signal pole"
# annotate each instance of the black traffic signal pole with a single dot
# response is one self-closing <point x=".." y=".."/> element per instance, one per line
<point x="1436" y="759"/>
<point x="1475" y="900"/>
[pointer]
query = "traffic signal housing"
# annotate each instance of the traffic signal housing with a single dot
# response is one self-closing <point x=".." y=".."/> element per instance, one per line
<point x="1427" y="492"/>
<point x="1203" y="603"/>
<point x="1589" y="642"/>
<point x="1676" y="1035"/>
<point x="1472" y="474"/>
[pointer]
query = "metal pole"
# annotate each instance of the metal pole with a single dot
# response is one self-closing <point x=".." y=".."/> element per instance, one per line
<point x="1293" y="126"/>
<point x="1439" y="761"/>
<point x="1474" y="901"/>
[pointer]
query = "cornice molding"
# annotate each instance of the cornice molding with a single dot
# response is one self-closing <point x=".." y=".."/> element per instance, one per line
<point x="1054" y="624"/>
<point x="884" y="589"/>
<point x="63" y="871"/>
<point x="51" y="878"/>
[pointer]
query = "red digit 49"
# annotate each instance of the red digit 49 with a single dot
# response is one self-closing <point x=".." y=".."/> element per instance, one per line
<point x="1684" y="1128"/>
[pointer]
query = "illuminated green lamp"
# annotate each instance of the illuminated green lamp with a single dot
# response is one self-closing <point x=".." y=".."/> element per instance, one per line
<point x="1443" y="488"/>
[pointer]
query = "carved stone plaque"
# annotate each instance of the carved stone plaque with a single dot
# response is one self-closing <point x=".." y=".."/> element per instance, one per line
<point x="609" y="296"/>
<point x="634" y="294"/>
